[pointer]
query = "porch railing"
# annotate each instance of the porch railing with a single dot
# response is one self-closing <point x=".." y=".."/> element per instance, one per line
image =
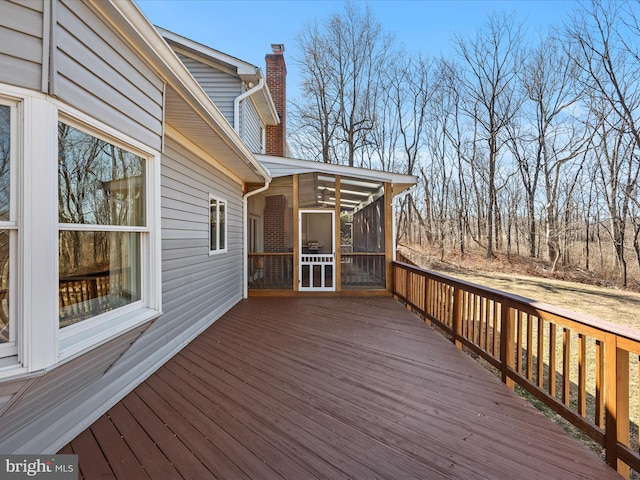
<point x="365" y="270"/>
<point x="583" y="368"/>
<point x="270" y="270"/>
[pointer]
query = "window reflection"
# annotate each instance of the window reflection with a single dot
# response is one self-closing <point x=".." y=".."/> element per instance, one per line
<point x="4" y="286"/>
<point x="99" y="183"/>
<point x="99" y="271"/>
<point x="222" y="227"/>
<point x="5" y="156"/>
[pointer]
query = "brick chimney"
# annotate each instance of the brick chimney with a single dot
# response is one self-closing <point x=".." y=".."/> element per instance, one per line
<point x="277" y="83"/>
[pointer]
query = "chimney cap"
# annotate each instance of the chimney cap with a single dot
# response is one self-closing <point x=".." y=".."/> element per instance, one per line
<point x="277" y="48"/>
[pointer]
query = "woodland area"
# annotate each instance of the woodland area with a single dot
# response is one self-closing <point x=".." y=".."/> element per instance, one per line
<point x="524" y="146"/>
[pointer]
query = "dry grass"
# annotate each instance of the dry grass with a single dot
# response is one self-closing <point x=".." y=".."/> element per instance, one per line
<point x="531" y="278"/>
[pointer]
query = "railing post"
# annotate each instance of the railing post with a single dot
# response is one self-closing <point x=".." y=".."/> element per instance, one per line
<point x="507" y="357"/>
<point x="457" y="316"/>
<point x="616" y="402"/>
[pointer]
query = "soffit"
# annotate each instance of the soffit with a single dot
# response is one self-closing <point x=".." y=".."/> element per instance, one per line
<point x="281" y="166"/>
<point x="204" y="133"/>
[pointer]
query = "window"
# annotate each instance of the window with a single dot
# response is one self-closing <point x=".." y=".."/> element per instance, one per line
<point x="8" y="226"/>
<point x="218" y="225"/>
<point x="102" y="215"/>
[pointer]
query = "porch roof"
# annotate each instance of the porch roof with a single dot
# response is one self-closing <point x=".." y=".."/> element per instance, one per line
<point x="282" y="167"/>
<point x="327" y="388"/>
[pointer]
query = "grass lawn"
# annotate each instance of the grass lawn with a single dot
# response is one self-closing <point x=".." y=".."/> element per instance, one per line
<point x="609" y="304"/>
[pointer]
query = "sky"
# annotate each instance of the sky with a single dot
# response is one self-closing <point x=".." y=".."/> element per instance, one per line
<point x="246" y="29"/>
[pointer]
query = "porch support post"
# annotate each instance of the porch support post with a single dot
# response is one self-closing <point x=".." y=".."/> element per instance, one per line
<point x="296" y="235"/>
<point x="388" y="235"/>
<point x="338" y="265"/>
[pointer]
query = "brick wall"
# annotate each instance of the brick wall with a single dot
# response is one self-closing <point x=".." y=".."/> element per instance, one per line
<point x="277" y="83"/>
<point x="275" y="223"/>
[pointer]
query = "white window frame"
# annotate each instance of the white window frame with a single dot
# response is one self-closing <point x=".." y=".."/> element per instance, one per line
<point x="10" y="349"/>
<point x="219" y="201"/>
<point x="34" y="231"/>
<point x="87" y="334"/>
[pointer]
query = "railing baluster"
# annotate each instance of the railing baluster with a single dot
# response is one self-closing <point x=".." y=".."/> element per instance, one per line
<point x="566" y="370"/>
<point x="529" y="348"/>
<point x="496" y="330"/>
<point x="457" y="316"/>
<point x="519" y="342"/>
<point x="540" y="365"/>
<point x="507" y="342"/>
<point x="599" y="413"/>
<point x="552" y="359"/>
<point x="481" y="321"/>
<point x="487" y="331"/>
<point x="582" y="375"/>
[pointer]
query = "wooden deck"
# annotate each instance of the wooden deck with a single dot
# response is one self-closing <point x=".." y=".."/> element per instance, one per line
<point x="326" y="388"/>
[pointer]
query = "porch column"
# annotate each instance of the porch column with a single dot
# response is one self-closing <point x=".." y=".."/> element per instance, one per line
<point x="296" y="235"/>
<point x="338" y="265"/>
<point x="388" y="235"/>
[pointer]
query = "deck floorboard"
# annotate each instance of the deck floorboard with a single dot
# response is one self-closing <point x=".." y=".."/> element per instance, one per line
<point x="327" y="388"/>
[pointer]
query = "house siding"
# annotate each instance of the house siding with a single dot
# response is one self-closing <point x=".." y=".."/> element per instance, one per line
<point x="21" y="43"/>
<point x="221" y="87"/>
<point x="250" y="126"/>
<point x="26" y="421"/>
<point x="186" y="185"/>
<point x="197" y="289"/>
<point x="99" y="74"/>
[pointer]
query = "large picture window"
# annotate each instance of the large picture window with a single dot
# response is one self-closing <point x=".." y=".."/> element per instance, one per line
<point x="218" y="225"/>
<point x="8" y="225"/>
<point x="102" y="225"/>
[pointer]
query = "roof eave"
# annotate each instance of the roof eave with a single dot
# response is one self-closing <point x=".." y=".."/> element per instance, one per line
<point x="163" y="59"/>
<point x="399" y="181"/>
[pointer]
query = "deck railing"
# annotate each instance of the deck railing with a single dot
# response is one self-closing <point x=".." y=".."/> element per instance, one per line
<point x="363" y="270"/>
<point x="270" y="270"/>
<point x="583" y="368"/>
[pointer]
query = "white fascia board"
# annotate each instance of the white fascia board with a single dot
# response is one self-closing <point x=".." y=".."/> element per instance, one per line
<point x="243" y="68"/>
<point x="294" y="165"/>
<point x="161" y="57"/>
<point x="246" y="71"/>
<point x="268" y="112"/>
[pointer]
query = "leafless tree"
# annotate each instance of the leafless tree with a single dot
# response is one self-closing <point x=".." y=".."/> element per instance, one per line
<point x="605" y="36"/>
<point x="341" y="67"/>
<point x="491" y="61"/>
<point x="547" y="135"/>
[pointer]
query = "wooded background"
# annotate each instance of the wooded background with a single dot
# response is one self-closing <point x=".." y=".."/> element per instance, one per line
<point x="522" y="146"/>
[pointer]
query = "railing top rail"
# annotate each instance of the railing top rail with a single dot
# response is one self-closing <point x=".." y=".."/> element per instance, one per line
<point x="514" y="300"/>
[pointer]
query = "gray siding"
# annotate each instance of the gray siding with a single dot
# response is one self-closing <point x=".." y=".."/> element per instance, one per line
<point x="250" y="126"/>
<point x="221" y="87"/>
<point x="52" y="395"/>
<point x="93" y="69"/>
<point x="98" y="73"/>
<point x="21" y="45"/>
<point x="197" y="289"/>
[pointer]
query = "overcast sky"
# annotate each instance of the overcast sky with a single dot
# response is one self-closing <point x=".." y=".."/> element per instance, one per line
<point x="246" y="28"/>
